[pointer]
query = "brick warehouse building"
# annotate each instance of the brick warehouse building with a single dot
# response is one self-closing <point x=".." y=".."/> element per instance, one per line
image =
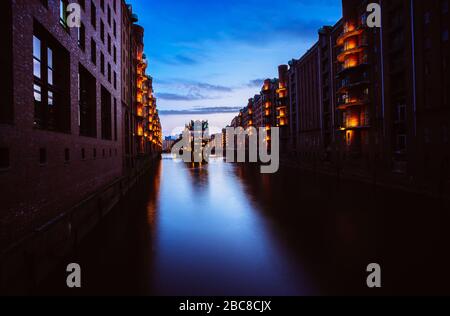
<point x="305" y="114"/>
<point x="62" y="128"/>
<point x="375" y="101"/>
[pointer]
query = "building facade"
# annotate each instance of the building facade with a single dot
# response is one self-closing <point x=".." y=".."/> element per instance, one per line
<point x="63" y="126"/>
<point x="369" y="99"/>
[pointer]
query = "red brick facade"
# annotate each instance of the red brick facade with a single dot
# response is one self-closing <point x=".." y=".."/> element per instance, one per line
<point x="53" y="158"/>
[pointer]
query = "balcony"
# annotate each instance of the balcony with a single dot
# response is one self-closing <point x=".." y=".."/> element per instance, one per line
<point x="343" y="69"/>
<point x="344" y="127"/>
<point x="350" y="51"/>
<point x="351" y="102"/>
<point x="346" y="35"/>
<point x="346" y="85"/>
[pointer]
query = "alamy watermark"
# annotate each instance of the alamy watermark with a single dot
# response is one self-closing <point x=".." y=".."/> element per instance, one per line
<point x="237" y="145"/>
<point x="73" y="11"/>
<point x="374" y="15"/>
<point x="73" y="279"/>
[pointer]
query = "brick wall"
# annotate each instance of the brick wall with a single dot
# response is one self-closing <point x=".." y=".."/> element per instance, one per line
<point x="33" y="192"/>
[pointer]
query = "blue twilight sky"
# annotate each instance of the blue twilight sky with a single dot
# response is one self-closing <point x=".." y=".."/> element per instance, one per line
<point x="208" y="58"/>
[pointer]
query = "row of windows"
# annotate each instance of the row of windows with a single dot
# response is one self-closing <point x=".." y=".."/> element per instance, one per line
<point x="5" y="160"/>
<point x="112" y="49"/>
<point x="51" y="89"/>
<point x="106" y="69"/>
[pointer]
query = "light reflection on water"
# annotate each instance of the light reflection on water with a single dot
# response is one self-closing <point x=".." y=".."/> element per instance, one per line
<point x="211" y="239"/>
<point x="225" y="229"/>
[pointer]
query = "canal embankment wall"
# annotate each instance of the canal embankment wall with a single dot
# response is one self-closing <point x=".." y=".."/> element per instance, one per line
<point x="28" y="261"/>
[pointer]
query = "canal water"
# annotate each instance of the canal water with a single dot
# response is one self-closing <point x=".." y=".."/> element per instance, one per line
<point x="226" y="229"/>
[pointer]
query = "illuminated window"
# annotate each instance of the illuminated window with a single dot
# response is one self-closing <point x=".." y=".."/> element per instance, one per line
<point x="51" y="104"/>
<point x="63" y="13"/>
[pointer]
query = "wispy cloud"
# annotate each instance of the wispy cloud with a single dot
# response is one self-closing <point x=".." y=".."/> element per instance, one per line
<point x="179" y="59"/>
<point x="202" y="110"/>
<point x="256" y="83"/>
<point x="184" y="90"/>
<point x="182" y="97"/>
<point x="194" y="85"/>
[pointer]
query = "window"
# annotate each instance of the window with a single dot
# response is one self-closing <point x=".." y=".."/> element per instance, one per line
<point x="66" y="155"/>
<point x="106" y="114"/>
<point x="109" y="44"/>
<point x="401" y="113"/>
<point x="93" y="51"/>
<point x="37" y="57"/>
<point x="42" y="156"/>
<point x="427" y="69"/>
<point x="82" y="4"/>
<point x="93" y="15"/>
<point x="94" y="153"/>
<point x="115" y="28"/>
<point x="445" y="36"/>
<point x="87" y="115"/>
<point x="401" y="142"/>
<point x="428" y="43"/>
<point x="445" y="133"/>
<point x="51" y="84"/>
<point x="115" y="119"/>
<point x="109" y="16"/>
<point x="102" y="63"/>
<point x="109" y="72"/>
<point x="444" y="6"/>
<point x="427" y="17"/>
<point x="115" y="80"/>
<point x="63" y="13"/>
<point x="102" y="5"/>
<point x="82" y="37"/>
<point x="83" y="154"/>
<point x="102" y="31"/>
<point x="115" y="54"/>
<point x="4" y="158"/>
<point x="427" y="135"/>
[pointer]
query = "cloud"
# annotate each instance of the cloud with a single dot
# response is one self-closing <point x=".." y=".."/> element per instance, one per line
<point x="202" y="110"/>
<point x="182" y="97"/>
<point x="210" y="87"/>
<point x="175" y="60"/>
<point x="186" y="60"/>
<point x="191" y="90"/>
<point x="194" y="85"/>
<point x="256" y="83"/>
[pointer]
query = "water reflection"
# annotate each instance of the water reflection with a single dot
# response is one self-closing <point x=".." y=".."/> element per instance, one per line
<point x="225" y="229"/>
<point x="211" y="240"/>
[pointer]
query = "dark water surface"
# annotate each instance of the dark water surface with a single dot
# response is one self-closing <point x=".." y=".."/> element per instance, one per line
<point x="225" y="229"/>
